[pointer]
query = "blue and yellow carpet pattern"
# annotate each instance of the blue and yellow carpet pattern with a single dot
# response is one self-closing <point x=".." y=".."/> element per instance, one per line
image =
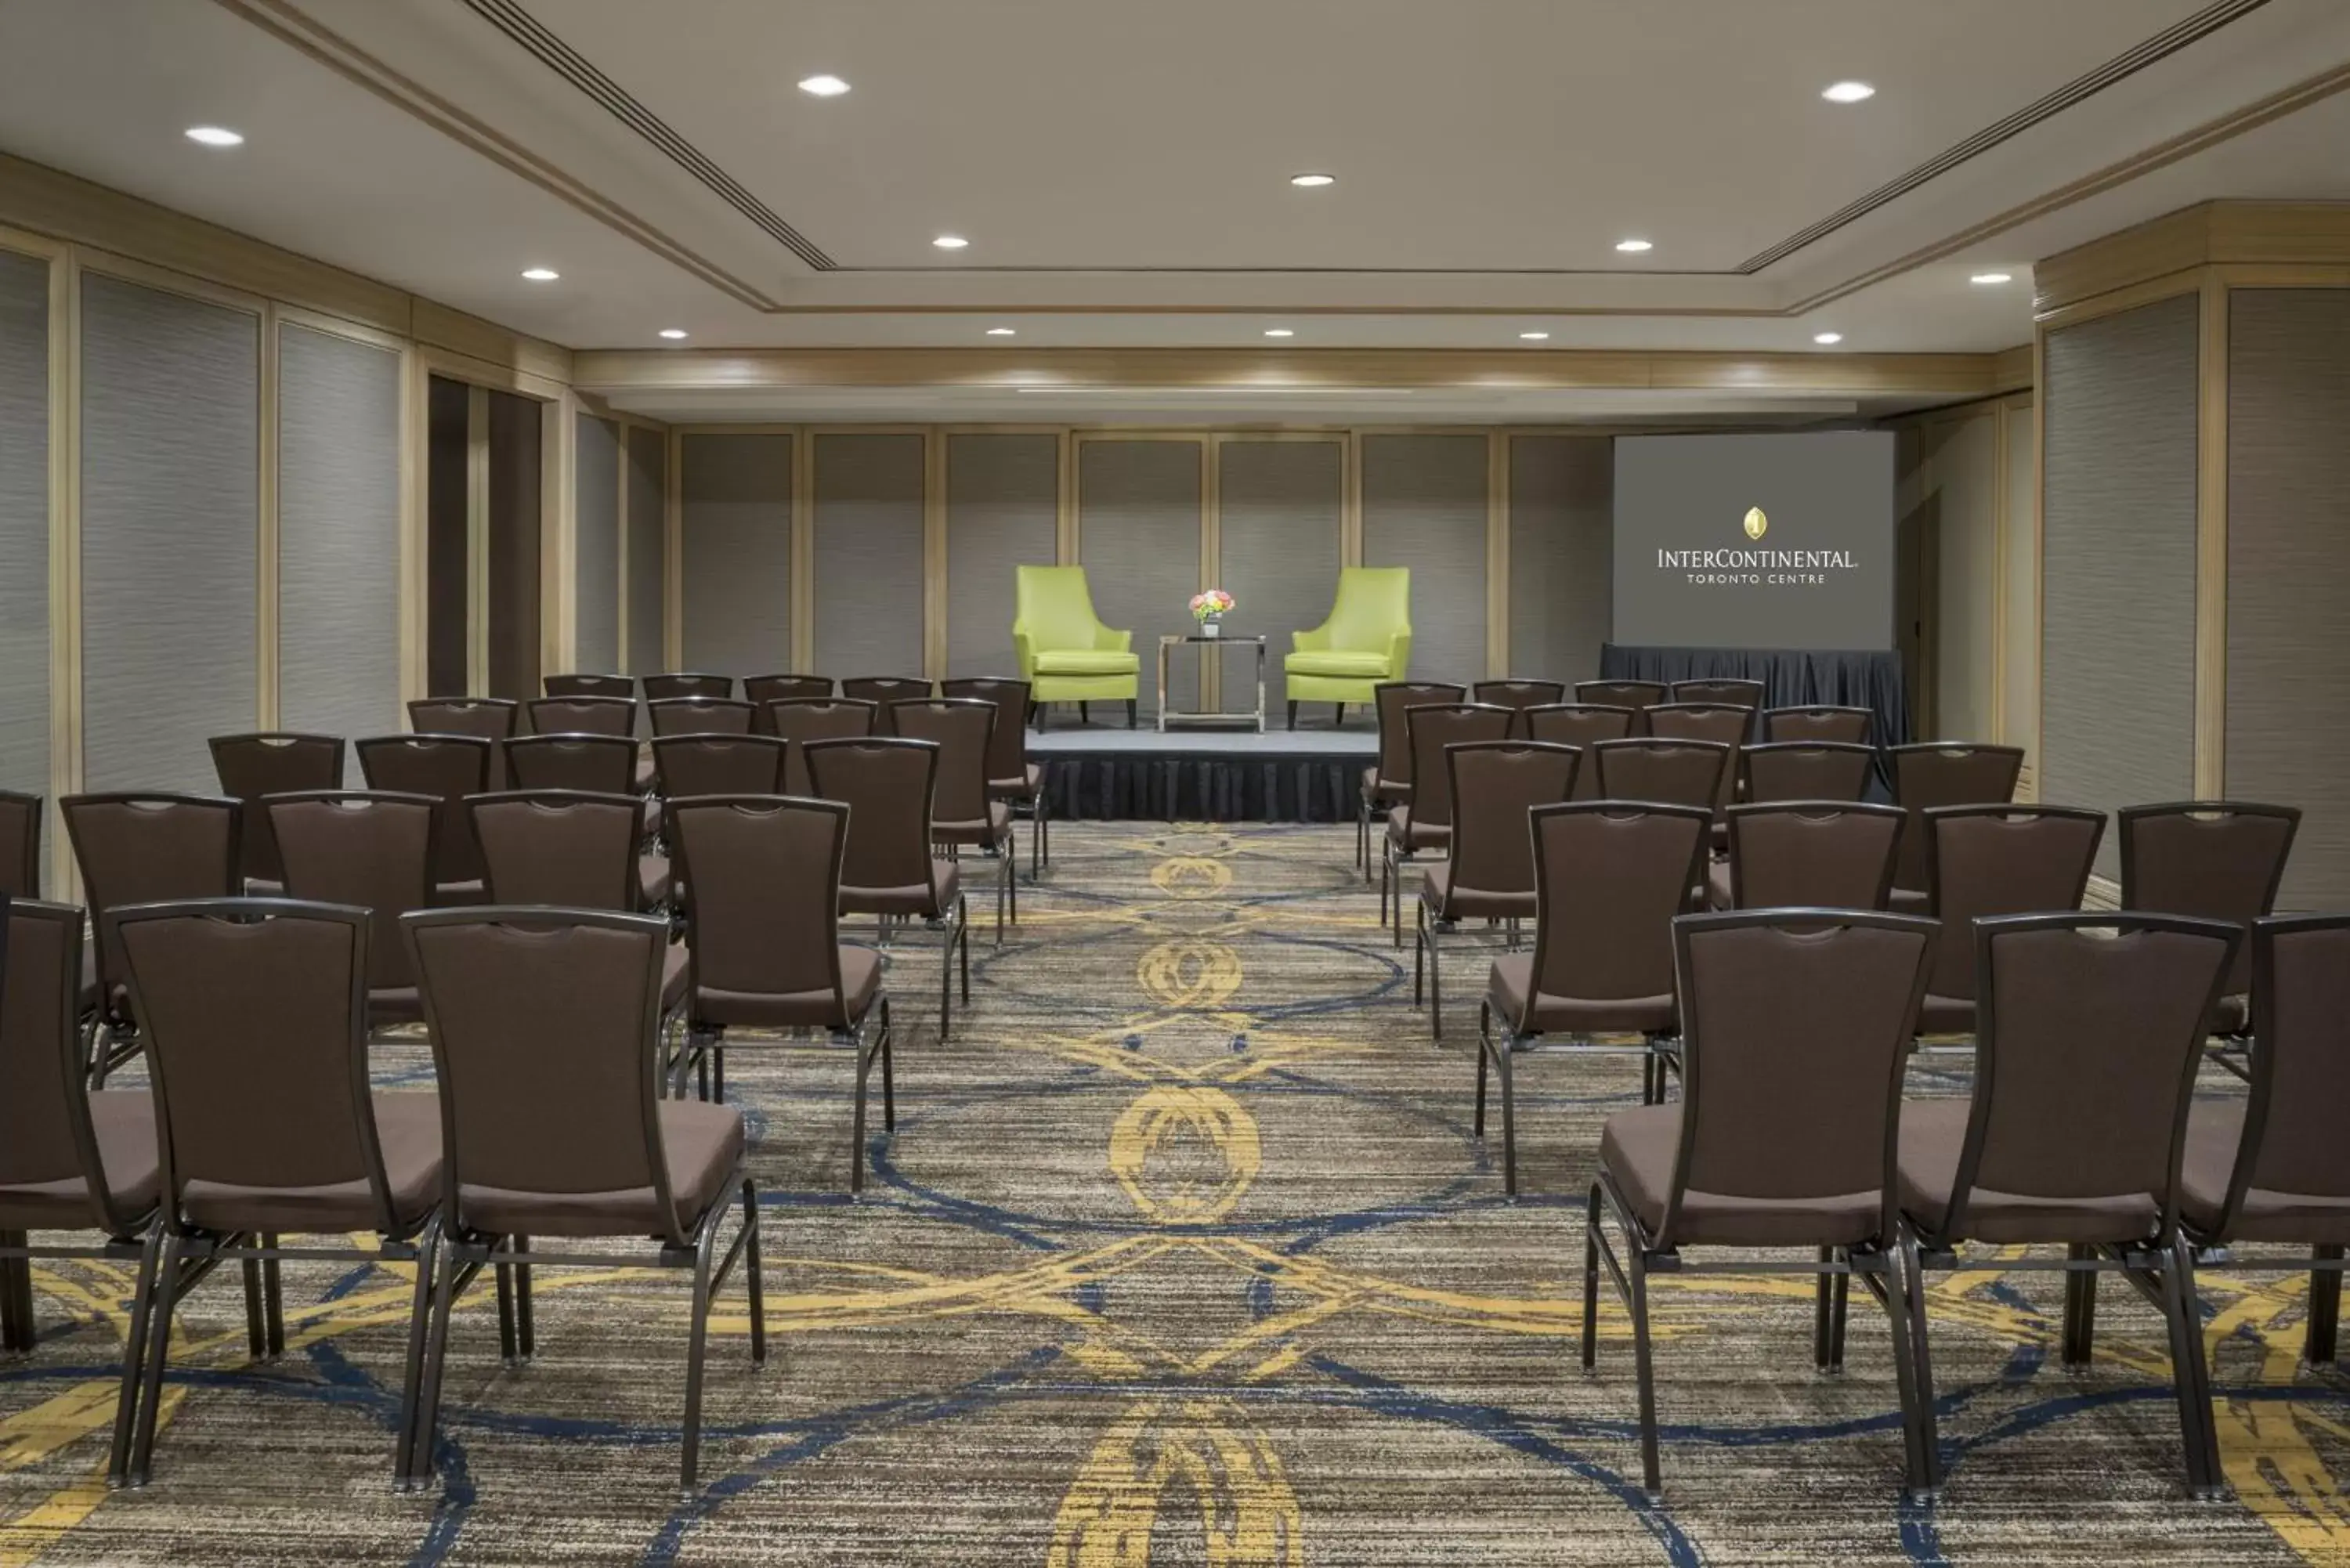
<point x="1182" y="1252"/>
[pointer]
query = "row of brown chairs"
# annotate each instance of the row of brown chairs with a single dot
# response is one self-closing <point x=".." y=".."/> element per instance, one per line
<point x="759" y="688"/>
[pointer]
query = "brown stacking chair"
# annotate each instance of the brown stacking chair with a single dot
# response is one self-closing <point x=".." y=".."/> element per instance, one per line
<point x="1794" y="1038"/>
<point x="2214" y="859"/>
<point x="20" y="845"/>
<point x="142" y="849"/>
<point x="595" y="764"/>
<point x="1637" y="695"/>
<point x="373" y="852"/>
<point x="546" y="1035"/>
<point x="1707" y="721"/>
<point x="582" y="715"/>
<point x="1807" y="853"/>
<point x="799" y="720"/>
<point x="699" y="716"/>
<point x="1610" y="877"/>
<point x="241" y="993"/>
<point x="888" y="870"/>
<point x="882" y="691"/>
<point x="670" y="687"/>
<point x="1581" y="725"/>
<point x="763" y="923"/>
<point x="1488" y="871"/>
<point x="1807" y="770"/>
<point x="1722" y="691"/>
<point x="2084" y="1070"/>
<point x="450" y="767"/>
<point x="964" y="814"/>
<point x="1849" y="726"/>
<point x="717" y="763"/>
<point x="1942" y="773"/>
<point x="1666" y="773"/>
<point x="1011" y="776"/>
<point x="1991" y="860"/>
<point x="272" y="762"/>
<point x="71" y="1158"/>
<point x="761" y="690"/>
<point x="566" y="849"/>
<point x="1386" y="783"/>
<point x="577" y="684"/>
<point x="491" y="719"/>
<point x="1518" y="695"/>
<point x="1424" y="820"/>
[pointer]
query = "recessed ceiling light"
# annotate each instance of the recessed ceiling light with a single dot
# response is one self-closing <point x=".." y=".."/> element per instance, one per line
<point x="1313" y="181"/>
<point x="216" y="136"/>
<point x="672" y="333"/>
<point x="950" y="242"/>
<point x="541" y="274"/>
<point x="1991" y="277"/>
<point x="1634" y="247"/>
<point x="1002" y="331"/>
<point x="1279" y="332"/>
<point x="823" y="86"/>
<point x="1536" y="336"/>
<point x="1848" y="92"/>
<point x="1826" y="337"/>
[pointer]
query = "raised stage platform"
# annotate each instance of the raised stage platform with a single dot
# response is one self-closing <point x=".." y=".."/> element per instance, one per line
<point x="1105" y="771"/>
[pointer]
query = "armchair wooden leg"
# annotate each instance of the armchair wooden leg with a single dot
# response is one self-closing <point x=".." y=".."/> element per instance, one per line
<point x="1129" y="712"/>
<point x="1085" y="713"/>
<point x="1340" y="721"/>
<point x="1292" y="715"/>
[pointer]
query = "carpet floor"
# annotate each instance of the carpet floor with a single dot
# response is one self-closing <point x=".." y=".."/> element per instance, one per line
<point x="1183" y="1252"/>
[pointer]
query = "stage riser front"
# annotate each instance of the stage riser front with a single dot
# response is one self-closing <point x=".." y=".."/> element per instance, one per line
<point x="1205" y="788"/>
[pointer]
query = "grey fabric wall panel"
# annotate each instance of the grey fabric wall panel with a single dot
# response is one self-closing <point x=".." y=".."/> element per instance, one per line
<point x="25" y="523"/>
<point x="2288" y="579"/>
<point x="1423" y="501"/>
<point x="170" y="511"/>
<point x="2118" y="562"/>
<point x="1281" y="509"/>
<point x="1003" y="511"/>
<point x="517" y="436"/>
<point x="596" y="558"/>
<point x="1561" y="555"/>
<point x="735" y="519"/>
<point x="869" y="554"/>
<point x="337" y="534"/>
<point x="2019" y="698"/>
<point x="1138" y="505"/>
<point x="1962" y="465"/>
<point x="647" y="549"/>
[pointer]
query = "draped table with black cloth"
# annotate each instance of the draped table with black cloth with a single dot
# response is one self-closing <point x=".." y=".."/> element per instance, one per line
<point x="1203" y="776"/>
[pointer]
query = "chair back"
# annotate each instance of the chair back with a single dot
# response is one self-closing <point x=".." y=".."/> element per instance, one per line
<point x="1581" y="725"/>
<point x="138" y="848"/>
<point x="20" y="845"/>
<point x="963" y="728"/>
<point x="1849" y="726"/>
<point x="1053" y="608"/>
<point x="373" y="852"/>
<point x="1391" y="700"/>
<point x="762" y="879"/>
<point x="582" y="715"/>
<point x="45" y="1136"/>
<point x="491" y="719"/>
<point x="672" y="686"/>
<point x="583" y="685"/>
<point x="1431" y="727"/>
<point x="1494" y="785"/>
<point x="761" y="690"/>
<point x="1637" y="695"/>
<point x="1664" y="773"/>
<point x="1720" y="690"/>
<point x="2215" y="859"/>
<point x="799" y="720"/>
<point x="1944" y="773"/>
<point x="545" y="1027"/>
<point x="1518" y="695"/>
<point x="886" y="783"/>
<point x="2293" y="1139"/>
<point x="595" y="764"/>
<point x="1373" y="604"/>
<point x="1985" y="861"/>
<point x="257" y="1022"/>
<point x="568" y="848"/>
<point x="448" y="766"/>
<point x="272" y="762"/>
<point x="1706" y="721"/>
<point x="1007" y="743"/>
<point x="2085" y="1050"/>
<point x="1814" y="855"/>
<point x="883" y="692"/>
<point x="699" y="715"/>
<point x="1807" y="770"/>
<point x="1793" y="1039"/>
<point x="719" y="765"/>
<point x="1609" y="877"/>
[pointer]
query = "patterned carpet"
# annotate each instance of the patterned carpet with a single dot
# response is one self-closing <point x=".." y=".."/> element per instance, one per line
<point x="1182" y="1252"/>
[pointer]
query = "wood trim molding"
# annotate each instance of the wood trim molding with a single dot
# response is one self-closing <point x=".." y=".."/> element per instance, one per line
<point x="490" y="343"/>
<point x="2011" y="369"/>
<point x="2288" y="233"/>
<point x="265" y="539"/>
<point x="2211" y="542"/>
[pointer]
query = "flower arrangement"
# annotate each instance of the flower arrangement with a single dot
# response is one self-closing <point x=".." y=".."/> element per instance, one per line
<point x="1211" y="606"/>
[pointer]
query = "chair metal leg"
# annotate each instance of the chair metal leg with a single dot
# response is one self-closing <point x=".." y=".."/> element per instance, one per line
<point x="2189" y="1378"/>
<point x="15" y="1296"/>
<point x="889" y="1088"/>
<point x="1003" y="883"/>
<point x="856" y="1118"/>
<point x="2080" y="1308"/>
<point x="717" y="1073"/>
<point x="159" y="1357"/>
<point x="946" y="978"/>
<point x="509" y="1351"/>
<point x="1895" y="1295"/>
<point x="1822" y="1310"/>
<point x="134" y="1357"/>
<point x="419" y="1316"/>
<point x="1591" y="1279"/>
<point x="2324" y="1308"/>
<point x="1435" y="976"/>
<point x="272" y="1302"/>
<point x="1509" y="1124"/>
<point x="1484" y="1049"/>
<point x="424" y="1437"/>
<point x="1419" y="949"/>
<point x="698" y="1340"/>
<point x="757" y="1286"/>
<point x="257" y="1328"/>
<point x="1644" y="1369"/>
<point x="962" y="939"/>
<point x="525" y="1331"/>
<point x="1921" y="1354"/>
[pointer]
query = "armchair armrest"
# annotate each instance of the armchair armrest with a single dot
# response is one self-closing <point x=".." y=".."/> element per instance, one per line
<point x="1399" y="654"/>
<point x="1024" y="651"/>
<point x="1110" y="640"/>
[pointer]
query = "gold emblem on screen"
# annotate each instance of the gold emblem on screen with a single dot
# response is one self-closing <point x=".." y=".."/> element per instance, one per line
<point x="1756" y="523"/>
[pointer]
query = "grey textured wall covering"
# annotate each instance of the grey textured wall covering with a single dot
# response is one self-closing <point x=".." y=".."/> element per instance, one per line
<point x="1003" y="511"/>
<point x="1562" y="492"/>
<point x="337" y="534"/>
<point x="1280" y="511"/>
<point x="647" y="549"/>
<point x="735" y="501"/>
<point x="448" y="654"/>
<point x="1423" y="500"/>
<point x="2118" y="562"/>
<point x="170" y="516"/>
<point x="869" y="554"/>
<point x="596" y="560"/>
<point x="516" y="432"/>
<point x="1139" y="505"/>
<point x="2020" y="697"/>
<point x="2288" y="579"/>
<point x="24" y="523"/>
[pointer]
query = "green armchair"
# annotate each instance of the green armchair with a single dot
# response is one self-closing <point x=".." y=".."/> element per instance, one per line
<point x="1066" y="655"/>
<point x="1366" y="640"/>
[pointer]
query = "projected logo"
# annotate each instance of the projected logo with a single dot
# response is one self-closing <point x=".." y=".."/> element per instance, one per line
<point x="1756" y="569"/>
<point x="1757" y="525"/>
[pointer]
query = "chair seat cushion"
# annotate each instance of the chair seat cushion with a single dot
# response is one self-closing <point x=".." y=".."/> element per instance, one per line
<point x="2214" y="1129"/>
<point x="408" y="1130"/>
<point x="1336" y="662"/>
<point x="1638" y="1147"/>
<point x="701" y="1144"/>
<point x="2231" y="1016"/>
<point x="645" y="774"/>
<point x="1717" y="886"/>
<point x="1932" y="1134"/>
<point x="472" y="891"/>
<point x="991" y="831"/>
<point x="1027" y="786"/>
<point x="1909" y="901"/>
<point x="1508" y="987"/>
<point x="1409" y="835"/>
<point x="1437" y="891"/>
<point x="1086" y="661"/>
<point x="915" y="898"/>
<point x="124" y="1122"/>
<point x="393" y="1004"/>
<point x="1381" y="791"/>
<point x="1945" y="1015"/>
<point x="861" y="983"/>
<point x="653" y="883"/>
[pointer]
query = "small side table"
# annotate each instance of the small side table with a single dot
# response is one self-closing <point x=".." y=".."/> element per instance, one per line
<point x="1212" y="717"/>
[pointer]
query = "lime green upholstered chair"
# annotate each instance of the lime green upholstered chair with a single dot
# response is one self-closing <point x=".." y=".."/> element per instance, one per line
<point x="1066" y="655"/>
<point x="1366" y="640"/>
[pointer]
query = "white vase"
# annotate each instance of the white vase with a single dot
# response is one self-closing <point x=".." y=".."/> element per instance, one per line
<point x="1211" y="627"/>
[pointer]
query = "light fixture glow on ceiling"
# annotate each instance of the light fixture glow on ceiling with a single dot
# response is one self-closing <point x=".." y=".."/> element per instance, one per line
<point x="1827" y="337"/>
<point x="823" y="86"/>
<point x="216" y="136"/>
<point x="1002" y="331"/>
<point x="1279" y="332"/>
<point x="1991" y="277"/>
<point x="541" y="274"/>
<point x="1313" y="181"/>
<point x="1633" y="247"/>
<point x="1848" y="92"/>
<point x="672" y="333"/>
<point x="1536" y="336"/>
<point x="950" y="242"/>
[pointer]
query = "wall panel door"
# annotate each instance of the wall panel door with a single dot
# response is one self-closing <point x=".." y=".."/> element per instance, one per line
<point x="512" y="533"/>
<point x="1004" y="496"/>
<point x="647" y="549"/>
<point x="1423" y="503"/>
<point x="735" y="503"/>
<point x="1279" y="516"/>
<point x="867" y="564"/>
<point x="1140" y="504"/>
<point x="25" y="525"/>
<point x="1561" y="555"/>
<point x="596" y="554"/>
